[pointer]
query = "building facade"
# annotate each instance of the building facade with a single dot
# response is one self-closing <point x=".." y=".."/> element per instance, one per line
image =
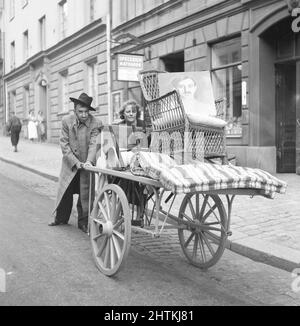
<point x="253" y="56"/>
<point x="53" y="50"/>
<point x="2" y="111"/>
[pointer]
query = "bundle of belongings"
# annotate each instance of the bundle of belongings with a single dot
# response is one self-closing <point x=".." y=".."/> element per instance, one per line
<point x="203" y="176"/>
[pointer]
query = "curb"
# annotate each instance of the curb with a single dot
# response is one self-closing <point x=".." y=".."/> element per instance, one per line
<point x="253" y="248"/>
<point x="34" y="170"/>
<point x="264" y="252"/>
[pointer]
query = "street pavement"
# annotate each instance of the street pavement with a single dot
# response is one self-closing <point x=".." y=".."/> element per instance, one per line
<point x="264" y="230"/>
<point x="54" y="266"/>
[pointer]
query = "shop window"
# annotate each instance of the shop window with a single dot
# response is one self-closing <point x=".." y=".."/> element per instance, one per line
<point x="227" y="82"/>
<point x="173" y="62"/>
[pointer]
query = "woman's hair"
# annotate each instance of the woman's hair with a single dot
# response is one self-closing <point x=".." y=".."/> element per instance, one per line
<point x="135" y="106"/>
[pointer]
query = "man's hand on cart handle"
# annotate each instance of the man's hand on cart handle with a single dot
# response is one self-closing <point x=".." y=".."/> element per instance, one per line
<point x="87" y="164"/>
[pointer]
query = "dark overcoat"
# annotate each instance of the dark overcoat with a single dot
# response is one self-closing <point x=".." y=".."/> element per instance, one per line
<point x="71" y="146"/>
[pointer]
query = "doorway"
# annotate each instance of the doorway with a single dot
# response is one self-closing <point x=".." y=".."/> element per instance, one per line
<point x="43" y="104"/>
<point x="286" y="102"/>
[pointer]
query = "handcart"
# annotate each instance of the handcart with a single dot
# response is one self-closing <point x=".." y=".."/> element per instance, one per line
<point x="202" y="220"/>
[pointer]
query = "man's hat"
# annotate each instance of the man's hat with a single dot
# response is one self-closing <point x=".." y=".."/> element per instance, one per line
<point x="85" y="100"/>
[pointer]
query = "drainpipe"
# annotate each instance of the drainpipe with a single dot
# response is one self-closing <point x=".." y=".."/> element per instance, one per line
<point x="108" y="60"/>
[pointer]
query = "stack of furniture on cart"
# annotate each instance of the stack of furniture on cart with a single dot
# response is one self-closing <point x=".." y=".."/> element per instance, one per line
<point x="173" y="132"/>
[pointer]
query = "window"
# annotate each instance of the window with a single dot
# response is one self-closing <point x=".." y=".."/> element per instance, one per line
<point x="173" y="62"/>
<point x="26" y="101"/>
<point x="93" y="82"/>
<point x="42" y="33"/>
<point x="63" y="13"/>
<point x="92" y="10"/>
<point x="25" y="45"/>
<point x="12" y="55"/>
<point x="12" y="102"/>
<point x="64" y="96"/>
<point x="227" y="82"/>
<point x="11" y="9"/>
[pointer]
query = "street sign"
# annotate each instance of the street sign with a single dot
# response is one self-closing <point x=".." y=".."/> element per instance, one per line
<point x="128" y="66"/>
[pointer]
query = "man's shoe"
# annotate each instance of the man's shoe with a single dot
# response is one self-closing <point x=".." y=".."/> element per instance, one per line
<point x="139" y="223"/>
<point x="83" y="228"/>
<point x="57" y="223"/>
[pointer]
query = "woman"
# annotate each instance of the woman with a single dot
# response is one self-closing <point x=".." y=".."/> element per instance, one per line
<point x="41" y="127"/>
<point x="124" y="139"/>
<point x="32" y="126"/>
<point x="130" y="114"/>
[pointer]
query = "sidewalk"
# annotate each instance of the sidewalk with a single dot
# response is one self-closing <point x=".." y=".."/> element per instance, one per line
<point x="264" y="230"/>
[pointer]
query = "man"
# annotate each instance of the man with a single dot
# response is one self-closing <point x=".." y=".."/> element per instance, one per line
<point x="187" y="88"/>
<point x="78" y="144"/>
<point x="14" y="127"/>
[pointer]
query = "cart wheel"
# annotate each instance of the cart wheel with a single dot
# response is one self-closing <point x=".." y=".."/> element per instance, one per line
<point x="203" y="234"/>
<point x="110" y="229"/>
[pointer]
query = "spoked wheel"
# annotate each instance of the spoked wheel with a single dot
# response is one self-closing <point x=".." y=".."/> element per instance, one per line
<point x="110" y="229"/>
<point x="203" y="231"/>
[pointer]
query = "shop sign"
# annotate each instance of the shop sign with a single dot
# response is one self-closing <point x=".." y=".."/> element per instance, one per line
<point x="128" y="66"/>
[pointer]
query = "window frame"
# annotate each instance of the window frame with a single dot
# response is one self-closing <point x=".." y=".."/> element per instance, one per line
<point x="93" y="88"/>
<point x="12" y="101"/>
<point x="26" y="45"/>
<point x="42" y="33"/>
<point x="238" y="64"/>
<point x="63" y="18"/>
<point x="64" y="92"/>
<point x="13" y="55"/>
<point x="26" y="100"/>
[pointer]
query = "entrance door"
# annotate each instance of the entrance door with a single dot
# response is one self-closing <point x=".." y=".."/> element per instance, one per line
<point x="286" y="117"/>
<point x="43" y="103"/>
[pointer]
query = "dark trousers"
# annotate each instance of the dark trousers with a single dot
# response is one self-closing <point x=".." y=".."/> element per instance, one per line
<point x="64" y="209"/>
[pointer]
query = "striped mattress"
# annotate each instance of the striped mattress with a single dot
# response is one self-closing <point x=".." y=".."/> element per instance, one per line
<point x="203" y="176"/>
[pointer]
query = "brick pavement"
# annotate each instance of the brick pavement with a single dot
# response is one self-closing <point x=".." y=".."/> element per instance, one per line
<point x="263" y="229"/>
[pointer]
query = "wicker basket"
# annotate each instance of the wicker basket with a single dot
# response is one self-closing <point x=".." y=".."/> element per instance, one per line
<point x="173" y="133"/>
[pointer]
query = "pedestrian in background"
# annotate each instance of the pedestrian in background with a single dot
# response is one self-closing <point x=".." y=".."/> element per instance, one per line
<point x="32" y="126"/>
<point x="41" y="128"/>
<point x="14" y="128"/>
<point x="78" y="143"/>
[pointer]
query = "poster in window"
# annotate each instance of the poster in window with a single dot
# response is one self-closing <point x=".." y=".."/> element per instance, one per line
<point x="194" y="88"/>
<point x="117" y="102"/>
